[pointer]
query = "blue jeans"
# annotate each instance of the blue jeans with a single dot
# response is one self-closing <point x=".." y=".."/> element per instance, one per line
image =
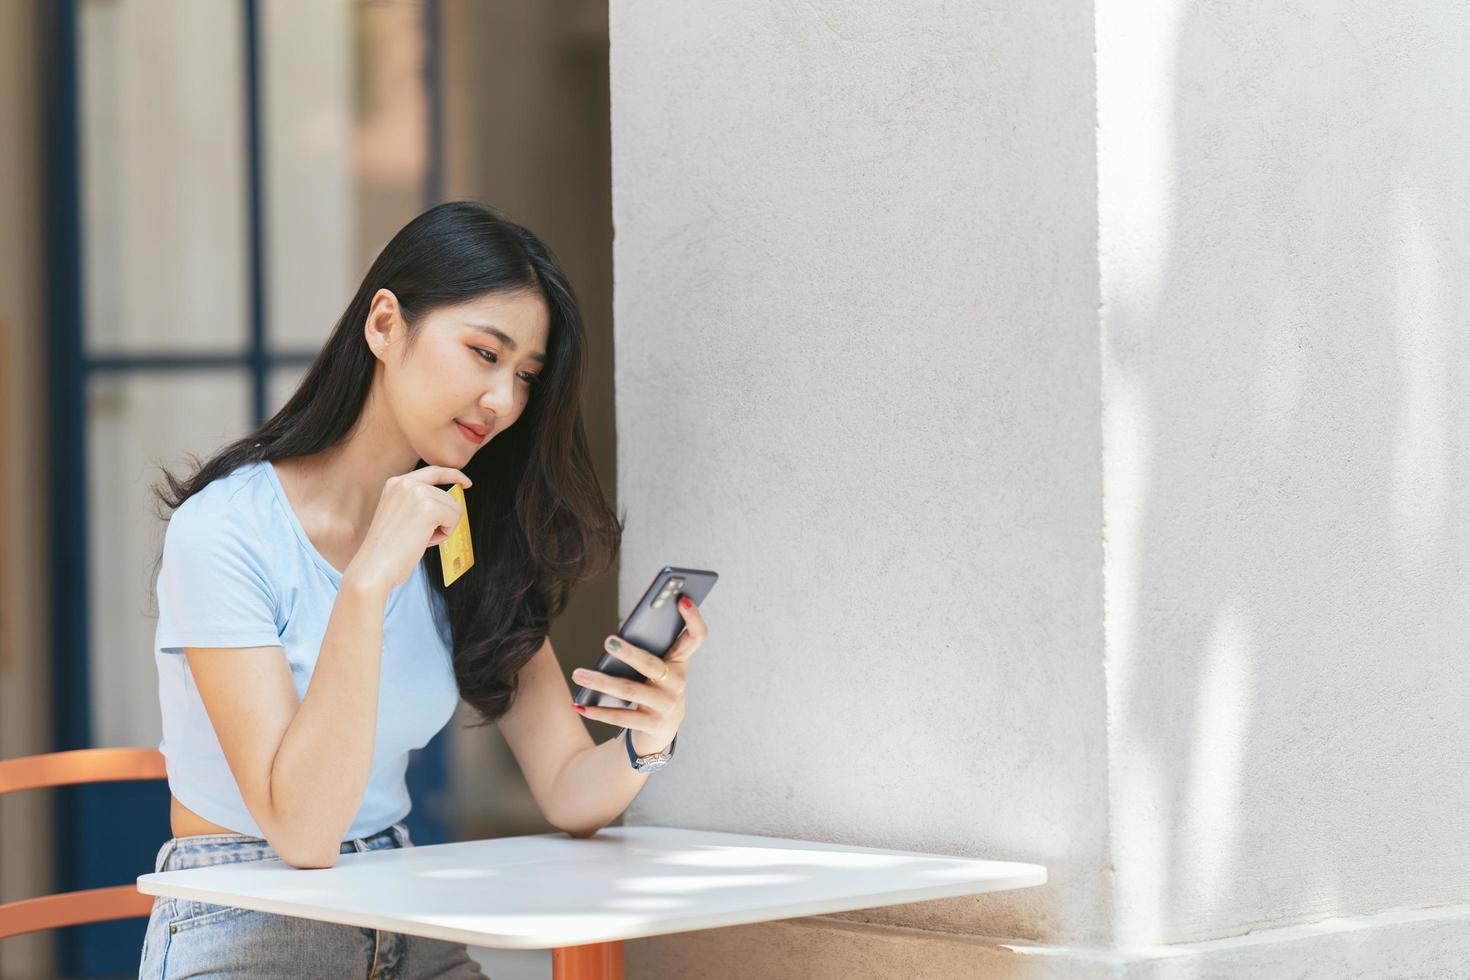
<point x="186" y="938"/>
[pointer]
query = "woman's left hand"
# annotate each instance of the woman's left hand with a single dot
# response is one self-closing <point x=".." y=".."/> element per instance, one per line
<point x="659" y="701"/>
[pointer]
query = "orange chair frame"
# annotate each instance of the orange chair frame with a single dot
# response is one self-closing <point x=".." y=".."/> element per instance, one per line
<point x="69" y="769"/>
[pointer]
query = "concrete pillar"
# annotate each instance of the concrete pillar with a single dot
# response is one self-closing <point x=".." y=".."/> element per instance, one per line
<point x="1067" y="394"/>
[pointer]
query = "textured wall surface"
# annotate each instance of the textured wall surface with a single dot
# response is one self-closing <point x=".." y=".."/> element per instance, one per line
<point x="1284" y="233"/>
<point x="1081" y="466"/>
<point x="857" y="375"/>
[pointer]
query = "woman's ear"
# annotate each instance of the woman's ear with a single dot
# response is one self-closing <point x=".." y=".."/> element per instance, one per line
<point x="384" y="323"/>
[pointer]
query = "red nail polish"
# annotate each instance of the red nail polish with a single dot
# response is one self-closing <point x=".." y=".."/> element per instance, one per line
<point x="579" y="707"/>
<point x="684" y="601"/>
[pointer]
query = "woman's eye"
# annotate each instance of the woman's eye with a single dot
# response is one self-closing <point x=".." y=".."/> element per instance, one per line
<point x="489" y="356"/>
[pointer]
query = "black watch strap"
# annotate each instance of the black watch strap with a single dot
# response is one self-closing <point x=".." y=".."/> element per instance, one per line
<point x="652" y="762"/>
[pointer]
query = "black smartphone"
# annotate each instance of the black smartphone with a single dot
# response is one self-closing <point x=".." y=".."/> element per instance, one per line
<point x="654" y="624"/>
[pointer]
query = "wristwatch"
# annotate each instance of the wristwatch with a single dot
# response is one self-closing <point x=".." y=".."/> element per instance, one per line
<point x="648" y="763"/>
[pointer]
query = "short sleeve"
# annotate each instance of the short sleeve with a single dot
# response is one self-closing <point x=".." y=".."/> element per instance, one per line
<point x="214" y="586"/>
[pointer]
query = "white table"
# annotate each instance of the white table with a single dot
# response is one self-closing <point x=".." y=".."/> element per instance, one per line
<point x="581" y="897"/>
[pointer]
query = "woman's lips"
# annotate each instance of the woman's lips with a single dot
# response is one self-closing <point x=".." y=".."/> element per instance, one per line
<point x="471" y="434"/>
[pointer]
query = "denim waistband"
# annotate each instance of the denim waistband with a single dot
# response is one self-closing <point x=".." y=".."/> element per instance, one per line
<point x="202" y="850"/>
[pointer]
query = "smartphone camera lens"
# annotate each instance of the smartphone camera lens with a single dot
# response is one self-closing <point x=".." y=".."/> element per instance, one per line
<point x="671" y="587"/>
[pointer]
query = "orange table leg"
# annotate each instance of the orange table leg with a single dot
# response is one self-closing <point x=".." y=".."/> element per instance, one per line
<point x="594" y="961"/>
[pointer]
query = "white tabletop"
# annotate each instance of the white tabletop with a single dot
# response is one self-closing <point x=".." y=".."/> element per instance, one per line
<point x="547" y="890"/>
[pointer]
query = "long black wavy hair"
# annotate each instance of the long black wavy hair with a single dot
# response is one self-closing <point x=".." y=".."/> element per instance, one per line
<point x="537" y="513"/>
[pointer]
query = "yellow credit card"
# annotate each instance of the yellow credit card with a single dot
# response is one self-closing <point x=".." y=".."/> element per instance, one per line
<point x="455" y="555"/>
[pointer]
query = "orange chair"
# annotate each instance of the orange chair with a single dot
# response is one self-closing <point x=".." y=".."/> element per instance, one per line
<point x="67" y="769"/>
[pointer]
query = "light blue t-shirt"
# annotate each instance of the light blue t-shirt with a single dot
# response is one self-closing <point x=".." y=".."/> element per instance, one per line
<point x="238" y="570"/>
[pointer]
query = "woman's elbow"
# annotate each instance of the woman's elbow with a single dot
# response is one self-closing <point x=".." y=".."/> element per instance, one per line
<point x="578" y="831"/>
<point x="307" y="854"/>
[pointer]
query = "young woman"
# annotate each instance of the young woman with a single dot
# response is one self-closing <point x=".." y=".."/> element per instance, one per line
<point x="306" y="640"/>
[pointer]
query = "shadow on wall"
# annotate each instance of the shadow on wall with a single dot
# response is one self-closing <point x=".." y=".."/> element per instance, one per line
<point x="1286" y="395"/>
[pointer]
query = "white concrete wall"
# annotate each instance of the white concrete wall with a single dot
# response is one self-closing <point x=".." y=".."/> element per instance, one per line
<point x="857" y="374"/>
<point x="1080" y="464"/>
<point x="1283" y="237"/>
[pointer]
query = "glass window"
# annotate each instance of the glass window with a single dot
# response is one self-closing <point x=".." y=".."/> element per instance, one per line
<point x="346" y="153"/>
<point x="164" y="176"/>
<point x="137" y="422"/>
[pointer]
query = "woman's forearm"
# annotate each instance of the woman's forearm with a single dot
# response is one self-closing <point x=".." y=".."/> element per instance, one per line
<point x="320" y="772"/>
<point x="597" y="784"/>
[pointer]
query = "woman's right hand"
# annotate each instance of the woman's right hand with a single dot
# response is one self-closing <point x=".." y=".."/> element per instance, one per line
<point x="413" y="515"/>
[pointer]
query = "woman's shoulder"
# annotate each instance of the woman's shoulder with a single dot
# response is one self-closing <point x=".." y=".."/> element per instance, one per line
<point x="237" y="504"/>
<point x="218" y="566"/>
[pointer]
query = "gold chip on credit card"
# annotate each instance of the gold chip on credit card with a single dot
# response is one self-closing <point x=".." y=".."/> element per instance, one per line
<point x="455" y="555"/>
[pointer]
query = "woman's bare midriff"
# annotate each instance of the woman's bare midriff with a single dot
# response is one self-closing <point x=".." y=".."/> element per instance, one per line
<point x="184" y="822"/>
